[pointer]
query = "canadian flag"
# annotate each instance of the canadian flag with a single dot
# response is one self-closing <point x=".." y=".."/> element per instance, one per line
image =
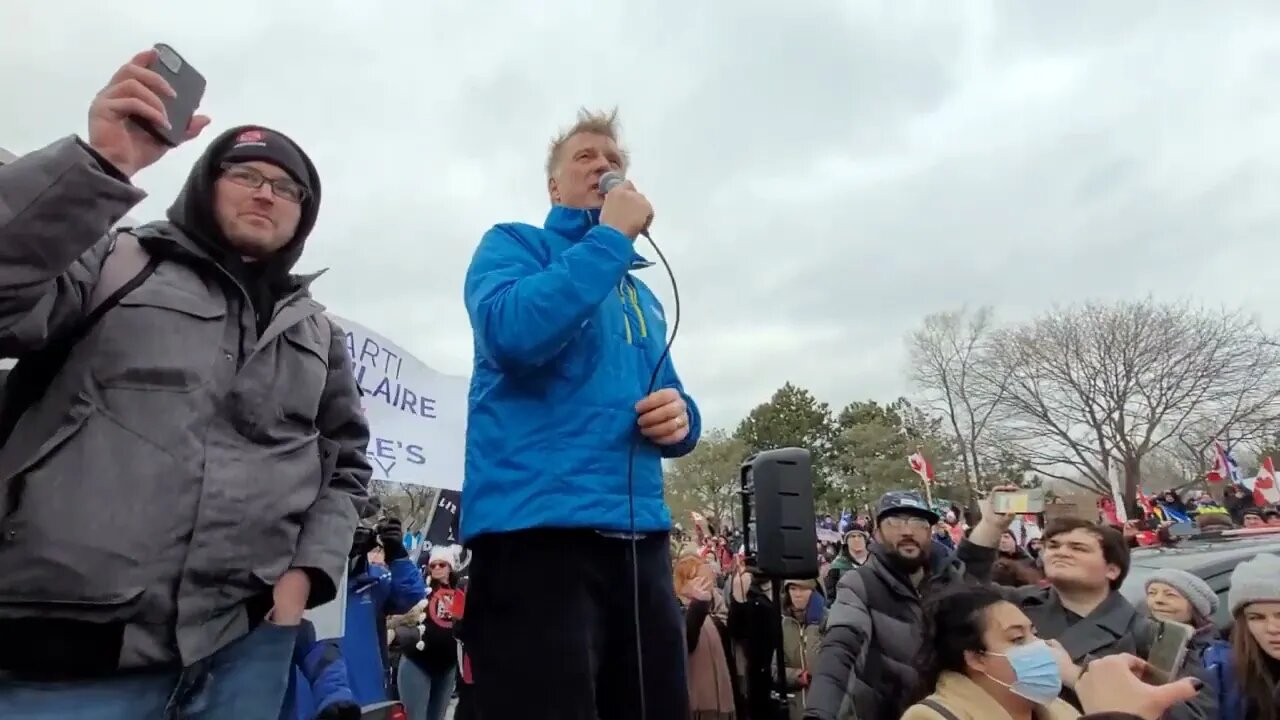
<point x="921" y="467"/>
<point x="1264" y="485"/>
<point x="1222" y="469"/>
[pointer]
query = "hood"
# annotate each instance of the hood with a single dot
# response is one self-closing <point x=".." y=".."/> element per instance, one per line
<point x="812" y="614"/>
<point x="192" y="211"/>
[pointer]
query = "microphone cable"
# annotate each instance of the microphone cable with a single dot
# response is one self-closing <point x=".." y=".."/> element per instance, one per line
<point x="631" y="495"/>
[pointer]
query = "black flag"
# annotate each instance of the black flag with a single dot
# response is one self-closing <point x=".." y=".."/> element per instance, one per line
<point x="444" y="524"/>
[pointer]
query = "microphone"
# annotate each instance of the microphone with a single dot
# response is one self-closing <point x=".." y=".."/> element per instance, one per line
<point x="613" y="179"/>
<point x="609" y="181"/>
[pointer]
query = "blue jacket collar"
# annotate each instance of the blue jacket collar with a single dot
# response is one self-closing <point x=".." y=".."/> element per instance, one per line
<point x="573" y="223"/>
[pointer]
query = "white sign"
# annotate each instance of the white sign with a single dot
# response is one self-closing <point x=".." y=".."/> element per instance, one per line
<point x="330" y="618"/>
<point x="417" y="416"/>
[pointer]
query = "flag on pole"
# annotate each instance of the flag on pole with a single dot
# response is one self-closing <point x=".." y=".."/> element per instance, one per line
<point x="1264" y="485"/>
<point x="1224" y="468"/>
<point x="921" y="467"/>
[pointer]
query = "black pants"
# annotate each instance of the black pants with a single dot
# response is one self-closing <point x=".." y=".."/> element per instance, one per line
<point x="550" y="628"/>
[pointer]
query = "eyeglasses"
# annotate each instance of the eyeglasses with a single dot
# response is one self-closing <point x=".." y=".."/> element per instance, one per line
<point x="435" y="565"/>
<point x="898" y="522"/>
<point x="283" y="188"/>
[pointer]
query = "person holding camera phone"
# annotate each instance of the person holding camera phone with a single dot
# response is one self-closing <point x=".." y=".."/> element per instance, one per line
<point x="183" y="456"/>
<point x="373" y="593"/>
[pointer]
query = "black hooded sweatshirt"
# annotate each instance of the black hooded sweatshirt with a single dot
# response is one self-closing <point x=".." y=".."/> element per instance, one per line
<point x="266" y="281"/>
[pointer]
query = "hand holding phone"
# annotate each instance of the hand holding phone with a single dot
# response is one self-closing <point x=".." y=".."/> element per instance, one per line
<point x="1006" y="502"/>
<point x="1168" y="650"/>
<point x="126" y="117"/>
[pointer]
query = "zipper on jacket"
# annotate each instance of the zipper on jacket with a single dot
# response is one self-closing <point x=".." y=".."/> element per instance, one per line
<point x="635" y="303"/>
<point x="626" y="318"/>
<point x="631" y="303"/>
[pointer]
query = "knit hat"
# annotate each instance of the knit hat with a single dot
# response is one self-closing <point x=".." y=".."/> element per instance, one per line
<point x="810" y="584"/>
<point x="268" y="146"/>
<point x="857" y="531"/>
<point x="1255" y="580"/>
<point x="443" y="553"/>
<point x="1196" y="591"/>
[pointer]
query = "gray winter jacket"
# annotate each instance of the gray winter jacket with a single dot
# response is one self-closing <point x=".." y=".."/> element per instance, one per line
<point x="179" y="464"/>
<point x="865" y="667"/>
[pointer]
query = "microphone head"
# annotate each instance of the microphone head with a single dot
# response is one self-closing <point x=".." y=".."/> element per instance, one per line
<point x="610" y="180"/>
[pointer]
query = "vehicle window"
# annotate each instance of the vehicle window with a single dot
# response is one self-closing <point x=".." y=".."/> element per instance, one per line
<point x="1220" y="584"/>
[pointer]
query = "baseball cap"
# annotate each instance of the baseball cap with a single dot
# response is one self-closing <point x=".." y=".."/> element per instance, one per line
<point x="904" y="501"/>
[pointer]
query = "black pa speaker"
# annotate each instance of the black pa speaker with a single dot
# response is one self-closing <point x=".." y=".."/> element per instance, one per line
<point x="780" y="535"/>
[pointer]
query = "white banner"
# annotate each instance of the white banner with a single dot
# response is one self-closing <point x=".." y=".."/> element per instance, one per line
<point x="417" y="416"/>
<point x="330" y="618"/>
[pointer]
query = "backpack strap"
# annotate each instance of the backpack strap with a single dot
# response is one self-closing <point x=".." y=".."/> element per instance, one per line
<point x="939" y="708"/>
<point x="127" y="263"/>
<point x="126" y="266"/>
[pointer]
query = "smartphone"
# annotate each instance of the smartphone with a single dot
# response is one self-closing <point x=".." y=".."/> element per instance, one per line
<point x="187" y="82"/>
<point x="1168" y="651"/>
<point x="1017" y="501"/>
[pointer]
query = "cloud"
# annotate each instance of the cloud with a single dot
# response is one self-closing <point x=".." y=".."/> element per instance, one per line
<point x="825" y="173"/>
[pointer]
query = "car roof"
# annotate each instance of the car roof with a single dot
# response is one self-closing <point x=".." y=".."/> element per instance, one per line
<point x="1201" y="551"/>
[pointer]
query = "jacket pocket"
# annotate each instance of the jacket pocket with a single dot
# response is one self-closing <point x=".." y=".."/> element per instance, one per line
<point x="303" y="372"/>
<point x="109" y="606"/>
<point x="13" y="485"/>
<point x="282" y="531"/>
<point x="78" y="534"/>
<point x="159" y="338"/>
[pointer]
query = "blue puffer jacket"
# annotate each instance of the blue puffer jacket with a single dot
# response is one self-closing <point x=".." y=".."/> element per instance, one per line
<point x="318" y="679"/>
<point x="1221" y="669"/>
<point x="565" y="342"/>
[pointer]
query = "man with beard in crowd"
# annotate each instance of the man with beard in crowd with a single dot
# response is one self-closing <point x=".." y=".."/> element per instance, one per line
<point x="188" y="481"/>
<point x="865" y="667"/>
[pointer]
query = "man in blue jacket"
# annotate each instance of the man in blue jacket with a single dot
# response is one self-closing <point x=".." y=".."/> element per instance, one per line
<point x="565" y="441"/>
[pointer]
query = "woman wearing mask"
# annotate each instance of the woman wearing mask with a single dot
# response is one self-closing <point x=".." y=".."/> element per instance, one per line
<point x="981" y="659"/>
<point x="713" y="687"/>
<point x="1247" y="673"/>
<point x="1179" y="596"/>
<point x="429" y="662"/>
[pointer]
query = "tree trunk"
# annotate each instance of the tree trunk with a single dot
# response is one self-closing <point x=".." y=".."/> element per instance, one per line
<point x="1132" y="481"/>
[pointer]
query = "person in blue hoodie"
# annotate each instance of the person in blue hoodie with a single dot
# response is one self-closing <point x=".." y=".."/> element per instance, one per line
<point x="566" y="435"/>
<point x="373" y="592"/>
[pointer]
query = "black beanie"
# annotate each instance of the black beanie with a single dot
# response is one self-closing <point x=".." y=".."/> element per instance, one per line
<point x="270" y="147"/>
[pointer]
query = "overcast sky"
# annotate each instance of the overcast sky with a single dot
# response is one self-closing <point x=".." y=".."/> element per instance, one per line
<point x="824" y="173"/>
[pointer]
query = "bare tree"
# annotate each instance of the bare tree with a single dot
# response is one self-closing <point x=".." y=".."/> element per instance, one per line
<point x="707" y="479"/>
<point x="1098" y="387"/>
<point x="412" y="504"/>
<point x="946" y="356"/>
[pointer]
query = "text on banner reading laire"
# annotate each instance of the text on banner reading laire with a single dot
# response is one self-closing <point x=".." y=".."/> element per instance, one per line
<point x="377" y="371"/>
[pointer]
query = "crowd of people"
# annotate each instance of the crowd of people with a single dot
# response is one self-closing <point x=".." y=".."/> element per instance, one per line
<point x="184" y="473"/>
<point x="902" y="623"/>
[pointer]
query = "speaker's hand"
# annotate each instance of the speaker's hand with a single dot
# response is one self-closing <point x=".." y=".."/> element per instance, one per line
<point x="664" y="417"/>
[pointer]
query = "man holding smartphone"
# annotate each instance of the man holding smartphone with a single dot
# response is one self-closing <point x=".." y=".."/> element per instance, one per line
<point x="188" y="481"/>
